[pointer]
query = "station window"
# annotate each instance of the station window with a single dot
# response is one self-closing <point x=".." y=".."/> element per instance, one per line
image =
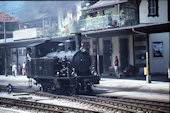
<point x="153" y="8"/>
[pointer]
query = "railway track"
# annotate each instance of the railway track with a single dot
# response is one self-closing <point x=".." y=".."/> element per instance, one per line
<point x="125" y="103"/>
<point x="110" y="104"/>
<point x="41" y="107"/>
<point x="108" y="108"/>
<point x="98" y="107"/>
<point x="138" y="105"/>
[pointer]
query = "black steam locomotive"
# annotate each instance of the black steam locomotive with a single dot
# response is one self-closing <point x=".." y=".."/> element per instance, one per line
<point x="66" y="71"/>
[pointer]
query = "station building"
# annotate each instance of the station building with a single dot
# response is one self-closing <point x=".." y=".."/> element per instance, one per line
<point x="143" y="32"/>
<point x="159" y="39"/>
<point x="127" y="29"/>
<point x="8" y="24"/>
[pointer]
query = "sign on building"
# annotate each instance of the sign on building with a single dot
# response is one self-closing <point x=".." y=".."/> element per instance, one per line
<point x="27" y="34"/>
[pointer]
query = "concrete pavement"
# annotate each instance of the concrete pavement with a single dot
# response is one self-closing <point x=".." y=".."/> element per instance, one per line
<point x="127" y="88"/>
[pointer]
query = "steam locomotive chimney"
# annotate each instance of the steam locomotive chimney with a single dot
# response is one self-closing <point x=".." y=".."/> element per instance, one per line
<point x="78" y="41"/>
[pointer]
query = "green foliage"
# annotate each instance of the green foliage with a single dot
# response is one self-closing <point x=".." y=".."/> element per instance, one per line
<point x="84" y="15"/>
<point x="107" y="12"/>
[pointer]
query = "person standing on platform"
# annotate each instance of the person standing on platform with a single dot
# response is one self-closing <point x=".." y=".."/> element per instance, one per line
<point x="116" y="66"/>
<point x="23" y="69"/>
<point x="10" y="69"/>
<point x="28" y="56"/>
<point x="14" y="69"/>
<point x="19" y="69"/>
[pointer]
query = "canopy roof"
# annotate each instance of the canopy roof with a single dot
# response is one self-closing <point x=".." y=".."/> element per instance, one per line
<point x="104" y="3"/>
<point x="128" y="30"/>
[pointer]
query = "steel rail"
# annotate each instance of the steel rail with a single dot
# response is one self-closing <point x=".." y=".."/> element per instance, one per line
<point x="131" y="103"/>
<point x="25" y="105"/>
<point x="116" y="104"/>
<point x="108" y="103"/>
<point x="42" y="106"/>
<point x="153" y="104"/>
<point x="95" y="104"/>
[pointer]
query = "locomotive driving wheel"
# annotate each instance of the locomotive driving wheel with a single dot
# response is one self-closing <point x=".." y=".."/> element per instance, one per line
<point x="72" y="91"/>
<point x="47" y="87"/>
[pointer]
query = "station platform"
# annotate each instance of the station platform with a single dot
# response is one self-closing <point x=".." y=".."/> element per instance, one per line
<point x="132" y="87"/>
<point x="135" y="87"/>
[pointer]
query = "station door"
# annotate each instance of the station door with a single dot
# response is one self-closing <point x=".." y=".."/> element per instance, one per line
<point x="107" y="51"/>
<point x="123" y="54"/>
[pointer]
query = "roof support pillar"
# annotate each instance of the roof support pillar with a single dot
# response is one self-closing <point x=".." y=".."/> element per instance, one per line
<point x="148" y="76"/>
<point x="169" y="59"/>
<point x="98" y="61"/>
<point x="5" y="49"/>
<point x="17" y="59"/>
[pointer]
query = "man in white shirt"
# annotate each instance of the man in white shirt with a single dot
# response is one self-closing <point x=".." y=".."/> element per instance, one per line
<point x="14" y="69"/>
<point x="23" y="69"/>
<point x="28" y="57"/>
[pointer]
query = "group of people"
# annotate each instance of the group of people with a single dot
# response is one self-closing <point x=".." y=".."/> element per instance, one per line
<point x="20" y="70"/>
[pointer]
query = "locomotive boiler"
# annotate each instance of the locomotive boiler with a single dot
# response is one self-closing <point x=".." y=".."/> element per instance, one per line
<point x="65" y="71"/>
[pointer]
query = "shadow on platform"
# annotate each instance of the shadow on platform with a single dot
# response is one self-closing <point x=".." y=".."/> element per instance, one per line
<point x="154" y="77"/>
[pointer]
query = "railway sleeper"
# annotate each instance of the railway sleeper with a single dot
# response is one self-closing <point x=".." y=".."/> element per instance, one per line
<point x="152" y="107"/>
<point x="149" y="104"/>
<point x="135" y="106"/>
<point x="26" y="107"/>
<point x="139" y="109"/>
